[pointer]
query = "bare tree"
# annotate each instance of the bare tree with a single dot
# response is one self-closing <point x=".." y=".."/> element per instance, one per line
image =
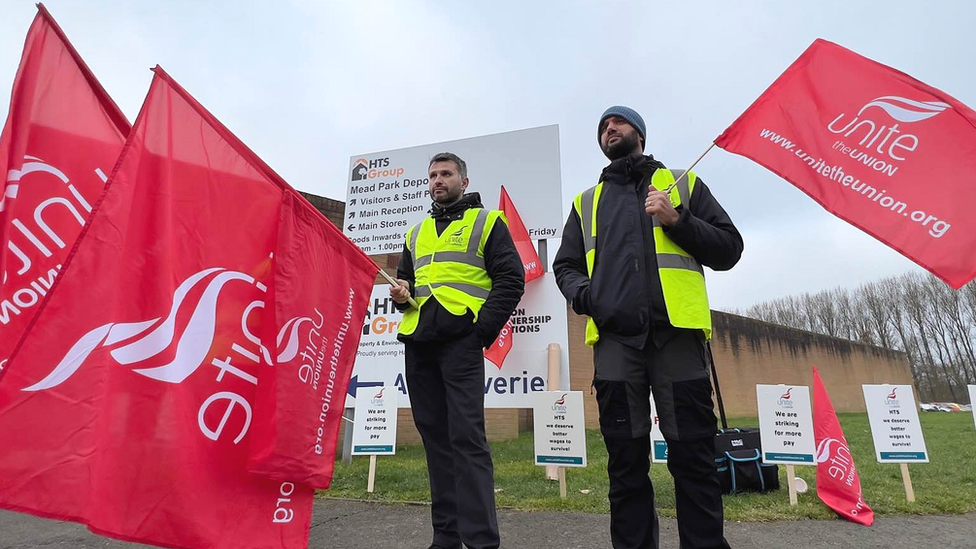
<point x="878" y="311"/>
<point x="916" y="313"/>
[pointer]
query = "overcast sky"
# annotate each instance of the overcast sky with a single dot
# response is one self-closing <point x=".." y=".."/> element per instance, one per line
<point x="307" y="84"/>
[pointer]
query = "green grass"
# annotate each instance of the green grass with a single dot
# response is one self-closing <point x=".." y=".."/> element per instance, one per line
<point x="946" y="485"/>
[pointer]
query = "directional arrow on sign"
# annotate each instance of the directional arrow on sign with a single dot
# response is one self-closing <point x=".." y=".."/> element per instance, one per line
<point x="351" y="227"/>
<point x="355" y="384"/>
<point x="352" y="201"/>
<point x="352" y="215"/>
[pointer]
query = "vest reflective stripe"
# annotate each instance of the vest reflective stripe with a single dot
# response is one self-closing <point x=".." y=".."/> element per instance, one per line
<point x="675" y="261"/>
<point x="457" y="257"/>
<point x="584" y="203"/>
<point x="470" y="289"/>
<point x="451" y="266"/>
<point x="682" y="277"/>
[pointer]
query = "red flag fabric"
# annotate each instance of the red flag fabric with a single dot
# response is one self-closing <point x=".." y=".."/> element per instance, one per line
<point x="133" y="392"/>
<point x="520" y="235"/>
<point x="499" y="350"/>
<point x="62" y="136"/>
<point x="875" y="147"/>
<point x="301" y="401"/>
<point x="838" y="484"/>
<point x="530" y="262"/>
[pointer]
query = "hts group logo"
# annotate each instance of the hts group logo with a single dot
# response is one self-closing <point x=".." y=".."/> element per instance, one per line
<point x="786" y="399"/>
<point x="363" y="169"/>
<point x="164" y="350"/>
<point x="382" y="317"/>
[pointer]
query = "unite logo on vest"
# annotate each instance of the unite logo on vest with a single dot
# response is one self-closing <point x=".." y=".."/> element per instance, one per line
<point x="456" y="238"/>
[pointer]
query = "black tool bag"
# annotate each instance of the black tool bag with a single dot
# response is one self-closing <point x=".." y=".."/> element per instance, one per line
<point x="738" y="454"/>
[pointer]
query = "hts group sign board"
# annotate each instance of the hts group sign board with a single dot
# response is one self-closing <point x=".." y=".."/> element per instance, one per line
<point x="387" y="191"/>
<point x="540" y="319"/>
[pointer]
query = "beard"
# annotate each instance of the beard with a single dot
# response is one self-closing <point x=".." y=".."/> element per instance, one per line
<point x="623" y="147"/>
<point x="449" y="197"/>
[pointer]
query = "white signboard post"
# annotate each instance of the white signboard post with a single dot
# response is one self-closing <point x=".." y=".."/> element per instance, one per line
<point x="659" y="446"/>
<point x="560" y="437"/>
<point x="895" y="428"/>
<point x="786" y="424"/>
<point x="559" y="432"/>
<point x="387" y="191"/>
<point x="539" y="320"/>
<point x="786" y="428"/>
<point x="375" y="426"/>
<point x="972" y="401"/>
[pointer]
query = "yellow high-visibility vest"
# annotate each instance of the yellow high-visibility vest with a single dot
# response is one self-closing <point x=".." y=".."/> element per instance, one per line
<point x="450" y="267"/>
<point x="682" y="277"/>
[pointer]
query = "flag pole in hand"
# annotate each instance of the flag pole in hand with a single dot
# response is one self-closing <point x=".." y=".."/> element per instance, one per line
<point x="393" y="283"/>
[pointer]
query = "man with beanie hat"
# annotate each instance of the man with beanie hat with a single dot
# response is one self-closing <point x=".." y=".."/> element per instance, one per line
<point x="631" y="259"/>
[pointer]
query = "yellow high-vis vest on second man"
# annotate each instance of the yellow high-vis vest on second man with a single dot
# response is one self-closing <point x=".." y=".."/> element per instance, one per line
<point x="450" y="267"/>
<point x="682" y="277"/>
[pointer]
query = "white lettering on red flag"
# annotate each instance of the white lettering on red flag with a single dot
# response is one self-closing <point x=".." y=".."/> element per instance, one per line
<point x="891" y="155"/>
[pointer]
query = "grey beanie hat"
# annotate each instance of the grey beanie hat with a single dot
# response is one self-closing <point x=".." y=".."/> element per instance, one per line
<point x="628" y="114"/>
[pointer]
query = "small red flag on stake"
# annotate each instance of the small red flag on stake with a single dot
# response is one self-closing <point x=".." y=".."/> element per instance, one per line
<point x="530" y="262"/>
<point x="838" y="484"/>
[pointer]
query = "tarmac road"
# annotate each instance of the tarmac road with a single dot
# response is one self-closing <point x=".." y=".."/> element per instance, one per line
<point x="353" y="525"/>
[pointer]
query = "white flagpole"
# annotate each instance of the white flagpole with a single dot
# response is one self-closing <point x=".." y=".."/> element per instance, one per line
<point x="394" y="284"/>
<point x="685" y="174"/>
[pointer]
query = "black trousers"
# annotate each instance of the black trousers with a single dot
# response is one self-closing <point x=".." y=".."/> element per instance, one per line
<point x="677" y="373"/>
<point x="447" y="397"/>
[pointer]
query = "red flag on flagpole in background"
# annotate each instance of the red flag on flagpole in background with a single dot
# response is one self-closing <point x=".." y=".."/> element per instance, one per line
<point x="520" y="235"/>
<point x="838" y="484"/>
<point x="530" y="262"/>
<point x="137" y="383"/>
<point x="62" y="137"/>
<point x="887" y="153"/>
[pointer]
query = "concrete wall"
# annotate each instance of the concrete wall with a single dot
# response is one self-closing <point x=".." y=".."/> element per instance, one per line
<point x="748" y="351"/>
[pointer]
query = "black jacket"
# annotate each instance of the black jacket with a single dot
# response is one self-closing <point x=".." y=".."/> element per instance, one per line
<point x="507" y="284"/>
<point x="624" y="297"/>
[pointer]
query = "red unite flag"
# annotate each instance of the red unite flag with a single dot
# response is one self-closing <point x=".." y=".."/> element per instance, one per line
<point x="891" y="155"/>
<point x="530" y="262"/>
<point x="838" y="484"/>
<point x="135" y="392"/>
<point x="520" y="235"/>
<point x="62" y="136"/>
<point x="322" y="285"/>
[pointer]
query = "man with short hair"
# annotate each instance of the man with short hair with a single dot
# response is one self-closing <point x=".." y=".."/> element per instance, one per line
<point x="631" y="259"/>
<point x="462" y="268"/>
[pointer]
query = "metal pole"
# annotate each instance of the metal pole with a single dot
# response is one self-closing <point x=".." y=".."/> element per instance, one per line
<point x="544" y="255"/>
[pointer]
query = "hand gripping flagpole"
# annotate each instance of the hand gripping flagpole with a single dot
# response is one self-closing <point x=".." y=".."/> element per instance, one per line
<point x="393" y="283"/>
